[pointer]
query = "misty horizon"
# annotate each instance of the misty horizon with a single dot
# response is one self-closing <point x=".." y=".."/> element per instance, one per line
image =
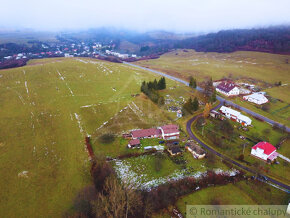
<point x="171" y="16"/>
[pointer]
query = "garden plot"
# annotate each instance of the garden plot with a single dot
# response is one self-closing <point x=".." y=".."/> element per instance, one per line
<point x="144" y="173"/>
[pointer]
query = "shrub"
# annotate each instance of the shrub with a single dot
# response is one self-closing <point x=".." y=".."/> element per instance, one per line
<point x="107" y="138"/>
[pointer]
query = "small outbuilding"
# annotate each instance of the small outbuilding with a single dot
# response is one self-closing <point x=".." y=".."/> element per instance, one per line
<point x="195" y="150"/>
<point x="134" y="143"/>
<point x="174" y="150"/>
<point x="257" y="98"/>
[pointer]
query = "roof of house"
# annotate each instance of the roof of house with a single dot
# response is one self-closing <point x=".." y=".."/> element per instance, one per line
<point x="171" y="128"/>
<point x="266" y="146"/>
<point x="244" y="118"/>
<point x="145" y="133"/>
<point x="235" y="113"/>
<point x="230" y="111"/>
<point x="226" y="86"/>
<point x="174" y="149"/>
<point x="134" y="142"/>
<point x="195" y="148"/>
<point x="257" y="96"/>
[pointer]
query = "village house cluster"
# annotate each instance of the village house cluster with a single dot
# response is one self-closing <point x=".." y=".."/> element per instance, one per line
<point x="119" y="55"/>
<point x="231" y="89"/>
<point x="170" y="133"/>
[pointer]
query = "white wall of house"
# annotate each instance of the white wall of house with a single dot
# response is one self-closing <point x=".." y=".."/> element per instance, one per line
<point x="256" y="98"/>
<point x="235" y="91"/>
<point x="258" y="152"/>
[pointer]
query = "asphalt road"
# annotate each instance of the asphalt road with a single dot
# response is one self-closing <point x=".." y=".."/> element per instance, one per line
<point x="188" y="129"/>
<point x="222" y="100"/>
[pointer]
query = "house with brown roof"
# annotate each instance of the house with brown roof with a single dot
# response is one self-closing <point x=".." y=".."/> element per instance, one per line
<point x="228" y="88"/>
<point x="134" y="143"/>
<point x="174" y="150"/>
<point x="146" y="133"/>
<point x="195" y="150"/>
<point x="169" y="132"/>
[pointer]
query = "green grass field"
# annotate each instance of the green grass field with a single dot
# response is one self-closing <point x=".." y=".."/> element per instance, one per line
<point x="47" y="108"/>
<point x="241" y="193"/>
<point x="261" y="66"/>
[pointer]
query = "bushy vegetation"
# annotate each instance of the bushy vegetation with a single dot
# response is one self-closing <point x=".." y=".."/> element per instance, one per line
<point x="111" y="198"/>
<point x="151" y="90"/>
<point x="192" y="82"/>
<point x="107" y="138"/>
<point x="190" y="106"/>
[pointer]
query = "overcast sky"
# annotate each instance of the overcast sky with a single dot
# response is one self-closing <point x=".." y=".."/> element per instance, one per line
<point x="144" y="15"/>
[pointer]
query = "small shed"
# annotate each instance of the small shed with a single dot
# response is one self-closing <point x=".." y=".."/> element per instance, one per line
<point x="174" y="150"/>
<point x="134" y="143"/>
<point x="196" y="150"/>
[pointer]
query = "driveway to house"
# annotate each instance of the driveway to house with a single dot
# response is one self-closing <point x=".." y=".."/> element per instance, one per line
<point x="222" y="100"/>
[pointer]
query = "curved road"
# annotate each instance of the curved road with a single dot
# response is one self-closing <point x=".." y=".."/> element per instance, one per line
<point x="222" y="100"/>
<point x="188" y="129"/>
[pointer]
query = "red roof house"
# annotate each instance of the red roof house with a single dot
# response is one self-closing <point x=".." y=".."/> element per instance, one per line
<point x="166" y="132"/>
<point x="134" y="143"/>
<point x="145" y="133"/>
<point x="169" y="131"/>
<point x="228" y="88"/>
<point x="264" y="151"/>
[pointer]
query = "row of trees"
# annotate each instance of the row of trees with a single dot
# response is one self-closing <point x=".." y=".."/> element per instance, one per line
<point x="151" y="90"/>
<point x="209" y="91"/>
<point x="155" y="85"/>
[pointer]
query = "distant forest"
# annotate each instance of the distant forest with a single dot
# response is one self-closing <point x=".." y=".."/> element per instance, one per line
<point x="273" y="40"/>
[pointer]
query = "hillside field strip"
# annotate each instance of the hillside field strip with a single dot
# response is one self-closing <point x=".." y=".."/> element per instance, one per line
<point x="46" y="110"/>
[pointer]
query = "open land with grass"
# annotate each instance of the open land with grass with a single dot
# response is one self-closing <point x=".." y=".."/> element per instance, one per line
<point x="241" y="193"/>
<point x="47" y="108"/>
<point x="50" y="105"/>
<point x="241" y="64"/>
<point x="262" y="69"/>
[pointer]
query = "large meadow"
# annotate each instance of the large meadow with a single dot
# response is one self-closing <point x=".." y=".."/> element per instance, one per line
<point x="261" y="69"/>
<point x="46" y="110"/>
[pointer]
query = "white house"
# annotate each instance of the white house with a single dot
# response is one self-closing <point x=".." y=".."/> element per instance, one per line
<point x="264" y="151"/>
<point x="228" y="88"/>
<point x="236" y="116"/>
<point x="257" y="98"/>
<point x="169" y="132"/>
